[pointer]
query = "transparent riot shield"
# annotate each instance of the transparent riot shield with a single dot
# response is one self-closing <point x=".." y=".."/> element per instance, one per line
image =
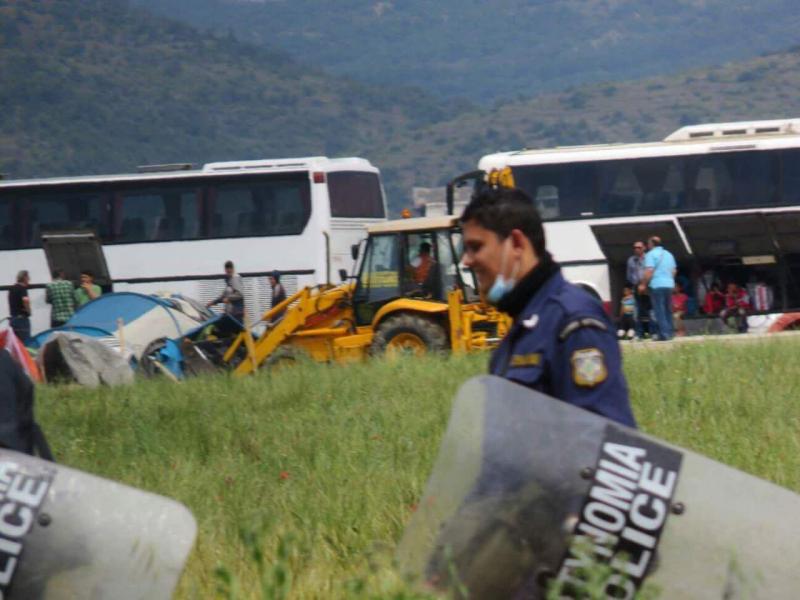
<point x="67" y="534"/>
<point x="530" y="494"/>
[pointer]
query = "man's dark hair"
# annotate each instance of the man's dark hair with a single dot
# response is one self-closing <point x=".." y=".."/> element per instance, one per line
<point x="228" y="264"/>
<point x="59" y="274"/>
<point x="425" y="247"/>
<point x="87" y="272"/>
<point x="655" y="240"/>
<point x="502" y="209"/>
<point x="276" y="275"/>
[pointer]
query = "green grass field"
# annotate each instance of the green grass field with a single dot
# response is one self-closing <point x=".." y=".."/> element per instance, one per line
<point x="318" y="467"/>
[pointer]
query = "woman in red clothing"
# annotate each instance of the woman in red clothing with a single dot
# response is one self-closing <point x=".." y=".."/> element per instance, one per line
<point x="714" y="301"/>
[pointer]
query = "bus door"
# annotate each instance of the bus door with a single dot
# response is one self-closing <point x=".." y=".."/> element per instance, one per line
<point x="758" y="251"/>
<point x="616" y="242"/>
<point x="74" y="252"/>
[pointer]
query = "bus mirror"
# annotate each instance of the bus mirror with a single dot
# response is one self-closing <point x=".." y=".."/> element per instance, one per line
<point x="343" y="275"/>
<point x="354" y="251"/>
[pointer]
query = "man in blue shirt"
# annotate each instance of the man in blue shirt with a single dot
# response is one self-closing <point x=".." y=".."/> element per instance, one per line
<point x="561" y="342"/>
<point x="659" y="281"/>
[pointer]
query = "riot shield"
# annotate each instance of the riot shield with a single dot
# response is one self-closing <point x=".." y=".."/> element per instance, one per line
<point x="67" y="534"/>
<point x="530" y="494"/>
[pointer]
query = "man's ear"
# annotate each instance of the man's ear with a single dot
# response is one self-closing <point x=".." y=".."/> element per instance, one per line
<point x="520" y="244"/>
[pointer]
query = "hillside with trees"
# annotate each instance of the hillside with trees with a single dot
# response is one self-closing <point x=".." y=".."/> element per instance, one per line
<point x="505" y="48"/>
<point x="95" y="86"/>
<point x="646" y="110"/>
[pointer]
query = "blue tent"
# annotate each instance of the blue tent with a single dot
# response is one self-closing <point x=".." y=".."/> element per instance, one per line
<point x="139" y="317"/>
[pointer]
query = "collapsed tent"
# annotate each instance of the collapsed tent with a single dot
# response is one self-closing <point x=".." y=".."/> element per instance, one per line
<point x="70" y="356"/>
<point x="131" y="321"/>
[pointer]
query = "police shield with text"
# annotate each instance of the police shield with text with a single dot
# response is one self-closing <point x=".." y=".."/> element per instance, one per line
<point x="66" y="534"/>
<point x="530" y="496"/>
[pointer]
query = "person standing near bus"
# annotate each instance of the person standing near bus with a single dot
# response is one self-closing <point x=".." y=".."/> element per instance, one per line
<point x="60" y="295"/>
<point x="561" y="342"/>
<point x="634" y="274"/>
<point x="233" y="294"/>
<point x="659" y="282"/>
<point x="88" y="289"/>
<point x="19" y="307"/>
<point x="278" y="291"/>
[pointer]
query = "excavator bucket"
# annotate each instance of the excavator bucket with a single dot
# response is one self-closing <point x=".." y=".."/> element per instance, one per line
<point x="530" y="496"/>
<point x="67" y="534"/>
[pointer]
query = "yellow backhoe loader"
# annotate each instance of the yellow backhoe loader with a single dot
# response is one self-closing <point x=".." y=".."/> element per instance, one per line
<point x="408" y="294"/>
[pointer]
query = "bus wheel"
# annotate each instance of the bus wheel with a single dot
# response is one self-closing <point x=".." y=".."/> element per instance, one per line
<point x="408" y="334"/>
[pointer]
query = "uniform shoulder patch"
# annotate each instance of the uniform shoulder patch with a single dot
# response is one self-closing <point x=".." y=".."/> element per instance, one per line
<point x="573" y="326"/>
<point x="588" y="367"/>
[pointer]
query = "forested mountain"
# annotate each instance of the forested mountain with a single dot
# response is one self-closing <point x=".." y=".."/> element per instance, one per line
<point x="93" y="86"/>
<point x="503" y="48"/>
<point x="648" y="110"/>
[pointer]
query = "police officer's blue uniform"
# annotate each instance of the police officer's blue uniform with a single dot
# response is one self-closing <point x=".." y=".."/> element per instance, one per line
<point x="562" y="344"/>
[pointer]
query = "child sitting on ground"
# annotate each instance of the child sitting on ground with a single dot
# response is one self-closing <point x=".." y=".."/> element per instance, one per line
<point x="627" y="314"/>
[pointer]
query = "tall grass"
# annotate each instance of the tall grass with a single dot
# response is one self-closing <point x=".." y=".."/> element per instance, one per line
<point x="302" y="480"/>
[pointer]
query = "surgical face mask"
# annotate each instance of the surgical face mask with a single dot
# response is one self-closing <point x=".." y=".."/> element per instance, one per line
<point x="501" y="285"/>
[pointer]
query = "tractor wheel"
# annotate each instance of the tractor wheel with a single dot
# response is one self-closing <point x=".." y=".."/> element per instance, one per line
<point x="408" y="334"/>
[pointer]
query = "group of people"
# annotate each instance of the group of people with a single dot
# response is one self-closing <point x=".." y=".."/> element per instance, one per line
<point x="650" y="296"/>
<point x="732" y="305"/>
<point x="655" y="303"/>
<point x="62" y="296"/>
<point x="232" y="296"/>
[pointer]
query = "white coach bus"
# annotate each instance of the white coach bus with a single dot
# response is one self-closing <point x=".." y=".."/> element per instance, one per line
<point x="723" y="197"/>
<point x="172" y="227"/>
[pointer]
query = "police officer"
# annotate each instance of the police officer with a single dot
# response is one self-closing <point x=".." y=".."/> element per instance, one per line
<point x="561" y="342"/>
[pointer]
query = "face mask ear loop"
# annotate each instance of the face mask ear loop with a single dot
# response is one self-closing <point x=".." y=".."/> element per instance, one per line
<point x="503" y="261"/>
<point x="516" y="268"/>
<point x="515" y="272"/>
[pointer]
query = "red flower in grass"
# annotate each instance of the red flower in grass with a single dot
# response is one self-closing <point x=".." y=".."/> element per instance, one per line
<point x="284" y="475"/>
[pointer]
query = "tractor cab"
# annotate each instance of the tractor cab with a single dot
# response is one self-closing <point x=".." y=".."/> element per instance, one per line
<point x="412" y="258"/>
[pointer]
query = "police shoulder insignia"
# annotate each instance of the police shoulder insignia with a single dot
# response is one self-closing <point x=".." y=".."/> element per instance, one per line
<point x="573" y="326"/>
<point x="588" y="367"/>
<point x="534" y="359"/>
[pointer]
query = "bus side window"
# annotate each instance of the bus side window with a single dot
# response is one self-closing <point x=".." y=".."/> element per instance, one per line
<point x="790" y="176"/>
<point x="621" y="193"/>
<point x="7" y="235"/>
<point x="712" y="185"/>
<point x="62" y="211"/>
<point x="661" y="182"/>
<point x="547" y="202"/>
